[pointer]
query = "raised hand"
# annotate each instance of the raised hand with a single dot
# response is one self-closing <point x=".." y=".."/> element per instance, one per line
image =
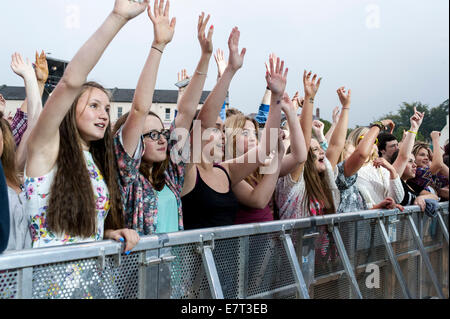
<point x="20" y="67"/>
<point x="318" y="128"/>
<point x="236" y="59"/>
<point x="435" y="135"/>
<point x="336" y="114"/>
<point x="41" y="67"/>
<point x="128" y="10"/>
<point x="287" y="106"/>
<point x="417" y="119"/>
<point x="297" y="100"/>
<point x="163" y="27"/>
<point x="205" y="41"/>
<point x="276" y="76"/>
<point x="311" y="85"/>
<point x="220" y="61"/>
<point x="389" y="124"/>
<point x="344" y="97"/>
<point x="182" y="75"/>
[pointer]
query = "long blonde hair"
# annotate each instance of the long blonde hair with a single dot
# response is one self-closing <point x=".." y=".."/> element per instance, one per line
<point x="235" y="124"/>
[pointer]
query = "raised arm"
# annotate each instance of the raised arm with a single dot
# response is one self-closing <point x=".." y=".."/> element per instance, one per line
<point x="241" y="167"/>
<point x="44" y="139"/>
<point x="163" y="29"/>
<point x="437" y="164"/>
<point x="407" y="144"/>
<point x="213" y="104"/>
<point x="260" y="195"/>
<point x="191" y="96"/>
<point x="299" y="153"/>
<point x="336" y="115"/>
<point x="25" y="70"/>
<point x="337" y="141"/>
<point x="364" y="149"/>
<point x="311" y="87"/>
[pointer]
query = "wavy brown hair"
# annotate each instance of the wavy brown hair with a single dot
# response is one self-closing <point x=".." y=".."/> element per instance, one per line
<point x="72" y="207"/>
<point x="316" y="187"/>
<point x="8" y="155"/>
<point x="155" y="172"/>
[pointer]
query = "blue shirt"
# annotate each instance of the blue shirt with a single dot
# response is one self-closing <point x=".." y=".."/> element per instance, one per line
<point x="167" y="218"/>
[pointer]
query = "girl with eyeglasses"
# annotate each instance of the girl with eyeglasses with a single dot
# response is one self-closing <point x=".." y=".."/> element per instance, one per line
<point x="151" y="180"/>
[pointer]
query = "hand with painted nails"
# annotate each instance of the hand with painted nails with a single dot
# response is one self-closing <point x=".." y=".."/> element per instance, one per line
<point x="129" y="236"/>
<point x="163" y="27"/>
<point x="205" y="41"/>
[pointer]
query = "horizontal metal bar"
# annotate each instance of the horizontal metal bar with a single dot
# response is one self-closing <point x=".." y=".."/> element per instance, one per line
<point x="40" y="256"/>
<point x="286" y="290"/>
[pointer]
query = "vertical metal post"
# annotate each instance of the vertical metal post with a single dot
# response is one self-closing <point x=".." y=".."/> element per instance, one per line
<point x="148" y="275"/>
<point x="393" y="259"/>
<point x="443" y="226"/>
<point x="25" y="284"/>
<point x="425" y="257"/>
<point x="295" y="266"/>
<point x="243" y="267"/>
<point x="211" y="272"/>
<point x="346" y="261"/>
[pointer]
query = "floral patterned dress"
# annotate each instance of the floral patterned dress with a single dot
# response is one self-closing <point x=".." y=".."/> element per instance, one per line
<point x="37" y="192"/>
<point x="139" y="198"/>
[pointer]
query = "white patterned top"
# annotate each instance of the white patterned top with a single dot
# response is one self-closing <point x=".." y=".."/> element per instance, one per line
<point x="375" y="185"/>
<point x="37" y="192"/>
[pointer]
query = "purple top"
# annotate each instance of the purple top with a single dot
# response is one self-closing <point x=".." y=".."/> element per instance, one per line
<point x="19" y="125"/>
<point x="247" y="215"/>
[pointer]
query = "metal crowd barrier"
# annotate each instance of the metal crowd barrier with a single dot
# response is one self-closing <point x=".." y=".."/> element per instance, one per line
<point x="372" y="254"/>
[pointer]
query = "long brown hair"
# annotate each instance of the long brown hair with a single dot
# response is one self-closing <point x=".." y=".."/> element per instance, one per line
<point x="316" y="187"/>
<point x="9" y="153"/>
<point x="156" y="172"/>
<point x="72" y="207"/>
<point x="236" y="124"/>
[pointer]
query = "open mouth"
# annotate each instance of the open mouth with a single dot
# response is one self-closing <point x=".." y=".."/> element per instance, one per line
<point x="322" y="160"/>
<point x="100" y="125"/>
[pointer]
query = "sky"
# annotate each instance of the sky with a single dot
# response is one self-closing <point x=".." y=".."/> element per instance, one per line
<point x="387" y="52"/>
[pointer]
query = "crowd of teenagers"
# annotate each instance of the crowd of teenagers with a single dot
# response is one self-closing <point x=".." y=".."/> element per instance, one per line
<point x="68" y="175"/>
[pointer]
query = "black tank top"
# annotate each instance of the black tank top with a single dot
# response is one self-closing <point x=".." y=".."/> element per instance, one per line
<point x="203" y="207"/>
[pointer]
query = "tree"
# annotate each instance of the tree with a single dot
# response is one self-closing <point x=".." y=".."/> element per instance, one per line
<point x="435" y="119"/>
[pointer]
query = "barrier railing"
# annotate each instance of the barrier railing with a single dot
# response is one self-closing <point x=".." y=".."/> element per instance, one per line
<point x="372" y="254"/>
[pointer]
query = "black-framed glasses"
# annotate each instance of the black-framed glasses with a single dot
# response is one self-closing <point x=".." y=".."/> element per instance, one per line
<point x="156" y="135"/>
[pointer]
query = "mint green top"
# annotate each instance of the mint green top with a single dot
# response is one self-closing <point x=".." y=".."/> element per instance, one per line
<point x="167" y="218"/>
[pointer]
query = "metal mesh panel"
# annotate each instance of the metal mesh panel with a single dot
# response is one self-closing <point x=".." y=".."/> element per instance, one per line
<point x="428" y="289"/>
<point x="8" y="284"/>
<point x="82" y="279"/>
<point x="337" y="288"/>
<point x="226" y="257"/>
<point x="188" y="279"/>
<point x="269" y="267"/>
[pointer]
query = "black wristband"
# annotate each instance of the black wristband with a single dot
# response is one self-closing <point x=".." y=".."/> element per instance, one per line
<point x="378" y="124"/>
<point x="157" y="49"/>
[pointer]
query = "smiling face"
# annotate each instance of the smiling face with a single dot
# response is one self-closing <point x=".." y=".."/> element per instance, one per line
<point x="155" y="151"/>
<point x="423" y="158"/>
<point x="410" y="169"/>
<point x="319" y="155"/>
<point x="92" y="115"/>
